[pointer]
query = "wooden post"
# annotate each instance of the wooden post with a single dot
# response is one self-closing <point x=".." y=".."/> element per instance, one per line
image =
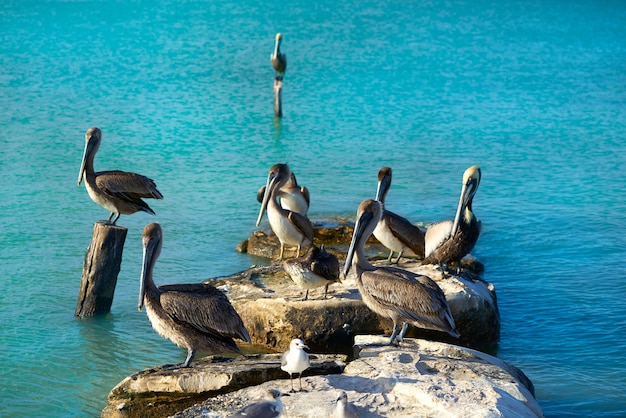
<point x="278" y="96"/>
<point x="100" y="269"/>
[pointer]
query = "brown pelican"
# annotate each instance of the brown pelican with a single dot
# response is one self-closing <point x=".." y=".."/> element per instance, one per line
<point x="398" y="294"/>
<point x="292" y="196"/>
<point x="450" y="241"/>
<point x="270" y="407"/>
<point x="291" y="228"/>
<point x="279" y="60"/>
<point x="117" y="191"/>
<point x="393" y="231"/>
<point x="295" y="360"/>
<point x="345" y="409"/>
<point x="316" y="268"/>
<point x="192" y="316"/>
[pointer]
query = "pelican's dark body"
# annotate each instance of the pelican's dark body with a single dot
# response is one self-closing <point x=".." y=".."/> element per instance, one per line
<point x="192" y="316"/>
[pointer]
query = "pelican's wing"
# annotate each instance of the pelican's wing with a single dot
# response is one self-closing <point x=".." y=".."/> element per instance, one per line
<point x="409" y="234"/>
<point x="205" y="308"/>
<point x="326" y="265"/>
<point x="303" y="224"/>
<point x="128" y="186"/>
<point x="436" y="235"/>
<point x="419" y="301"/>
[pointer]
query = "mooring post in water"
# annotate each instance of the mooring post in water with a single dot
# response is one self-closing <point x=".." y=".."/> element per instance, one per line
<point x="278" y="96"/>
<point x="100" y="269"/>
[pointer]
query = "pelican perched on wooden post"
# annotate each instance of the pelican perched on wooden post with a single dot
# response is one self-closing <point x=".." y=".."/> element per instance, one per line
<point x="292" y="196"/>
<point x="193" y="316"/>
<point x="278" y="59"/>
<point x="291" y="228"/>
<point x="316" y="268"/>
<point x="401" y="295"/>
<point x="450" y="241"/>
<point x="117" y="191"/>
<point x="393" y="231"/>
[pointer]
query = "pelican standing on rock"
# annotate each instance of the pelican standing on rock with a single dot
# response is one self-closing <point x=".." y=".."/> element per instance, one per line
<point x="279" y="60"/>
<point x="295" y="360"/>
<point x="192" y="316"/>
<point x="292" y="196"/>
<point x="393" y="231"/>
<point x="450" y="241"/>
<point x="316" y="268"/>
<point x="270" y="407"/>
<point x="291" y="228"/>
<point x="398" y="294"/>
<point x="117" y="191"/>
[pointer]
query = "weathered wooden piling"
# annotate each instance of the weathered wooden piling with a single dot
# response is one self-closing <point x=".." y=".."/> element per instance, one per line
<point x="100" y="269"/>
<point x="278" y="97"/>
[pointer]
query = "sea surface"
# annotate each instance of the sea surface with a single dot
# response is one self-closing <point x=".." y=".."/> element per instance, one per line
<point x="534" y="92"/>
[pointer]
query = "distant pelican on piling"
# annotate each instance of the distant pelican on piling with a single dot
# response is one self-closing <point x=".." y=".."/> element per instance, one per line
<point x="292" y="196"/>
<point x="450" y="241"/>
<point x="119" y="192"/>
<point x="393" y="231"/>
<point x="316" y="268"/>
<point x="278" y="59"/>
<point x="291" y="228"/>
<point x="270" y="407"/>
<point x="192" y="316"/>
<point x="398" y="294"/>
<point x="295" y="360"/>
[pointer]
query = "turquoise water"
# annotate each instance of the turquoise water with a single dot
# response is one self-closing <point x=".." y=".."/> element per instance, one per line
<point x="532" y="91"/>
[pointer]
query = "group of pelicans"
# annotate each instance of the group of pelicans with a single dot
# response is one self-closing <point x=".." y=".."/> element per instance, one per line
<point x="200" y="317"/>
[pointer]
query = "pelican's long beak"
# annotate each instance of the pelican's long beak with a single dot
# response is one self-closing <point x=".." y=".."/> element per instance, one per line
<point x="92" y="142"/>
<point x="269" y="186"/>
<point x="383" y="188"/>
<point x="142" y="281"/>
<point x="359" y="229"/>
<point x="467" y="193"/>
<point x="151" y="250"/>
<point x="83" y="162"/>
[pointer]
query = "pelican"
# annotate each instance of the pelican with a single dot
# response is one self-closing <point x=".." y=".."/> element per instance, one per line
<point x="192" y="316"/>
<point x="279" y="60"/>
<point x="270" y="407"/>
<point x="398" y="294"/>
<point x="450" y="241"/>
<point x="345" y="409"/>
<point x="117" y="191"/>
<point x="295" y="360"/>
<point x="393" y="231"/>
<point x="316" y="268"/>
<point x="291" y="228"/>
<point x="292" y="196"/>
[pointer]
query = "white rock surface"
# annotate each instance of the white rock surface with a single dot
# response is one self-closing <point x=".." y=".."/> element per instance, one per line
<point x="418" y="379"/>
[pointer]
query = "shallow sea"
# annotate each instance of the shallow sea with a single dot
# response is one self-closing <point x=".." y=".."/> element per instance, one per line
<point x="532" y="91"/>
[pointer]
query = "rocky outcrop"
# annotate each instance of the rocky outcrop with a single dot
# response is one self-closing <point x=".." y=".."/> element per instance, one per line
<point x="381" y="382"/>
<point x="419" y="378"/>
<point x="161" y="391"/>
<point x="273" y="311"/>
